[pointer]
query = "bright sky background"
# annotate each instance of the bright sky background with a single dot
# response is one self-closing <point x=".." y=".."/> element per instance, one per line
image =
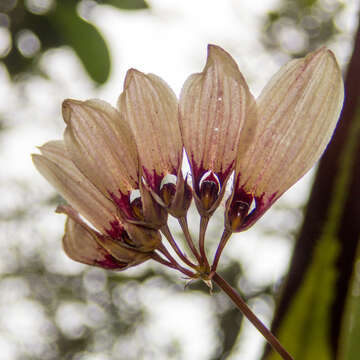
<point x="170" y="42"/>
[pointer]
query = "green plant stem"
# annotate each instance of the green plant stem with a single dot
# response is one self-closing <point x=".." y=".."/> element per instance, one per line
<point x="240" y="303"/>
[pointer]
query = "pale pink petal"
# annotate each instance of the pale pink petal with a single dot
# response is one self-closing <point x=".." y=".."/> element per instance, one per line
<point x="101" y="145"/>
<point x="81" y="245"/>
<point x="151" y="109"/>
<point x="55" y="165"/>
<point x="213" y="108"/>
<point x="297" y="114"/>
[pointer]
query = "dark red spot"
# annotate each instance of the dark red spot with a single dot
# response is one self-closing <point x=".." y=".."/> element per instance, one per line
<point x="222" y="175"/>
<point x="116" y="230"/>
<point x="110" y="263"/>
<point x="153" y="179"/>
<point x="262" y="204"/>
<point x="199" y="171"/>
<point x="123" y="203"/>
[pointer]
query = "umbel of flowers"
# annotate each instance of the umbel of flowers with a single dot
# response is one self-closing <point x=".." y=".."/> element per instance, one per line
<point x="120" y="169"/>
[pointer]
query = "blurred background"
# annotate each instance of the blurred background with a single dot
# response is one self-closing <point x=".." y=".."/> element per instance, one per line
<point x="54" y="308"/>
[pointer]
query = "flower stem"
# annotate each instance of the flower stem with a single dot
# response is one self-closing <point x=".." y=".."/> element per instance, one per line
<point x="185" y="228"/>
<point x="240" y="303"/>
<point x="162" y="261"/>
<point x="224" y="238"/>
<point x="177" y="266"/>
<point x="203" y="226"/>
<point x="167" y="233"/>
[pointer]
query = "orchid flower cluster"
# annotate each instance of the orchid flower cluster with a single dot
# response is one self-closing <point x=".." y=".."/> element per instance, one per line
<point x="120" y="169"/>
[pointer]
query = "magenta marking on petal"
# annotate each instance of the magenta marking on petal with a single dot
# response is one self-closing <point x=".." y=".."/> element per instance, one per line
<point x="123" y="203"/>
<point x="239" y="208"/>
<point x="244" y="196"/>
<point x="110" y="263"/>
<point x="116" y="231"/>
<point x="198" y="172"/>
<point x="224" y="174"/>
<point x="262" y="204"/>
<point x="211" y="177"/>
<point x="153" y="179"/>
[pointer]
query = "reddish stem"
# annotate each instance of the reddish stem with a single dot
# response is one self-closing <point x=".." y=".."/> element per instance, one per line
<point x="240" y="303"/>
<point x="224" y="238"/>
<point x="155" y="256"/>
<point x="167" y="233"/>
<point x="177" y="266"/>
<point x="184" y="226"/>
<point x="203" y="226"/>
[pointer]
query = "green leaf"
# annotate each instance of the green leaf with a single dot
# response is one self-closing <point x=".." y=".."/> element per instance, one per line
<point x="304" y="331"/>
<point x="350" y="344"/>
<point x="307" y="3"/>
<point x="84" y="38"/>
<point x="305" y="328"/>
<point x="127" y="4"/>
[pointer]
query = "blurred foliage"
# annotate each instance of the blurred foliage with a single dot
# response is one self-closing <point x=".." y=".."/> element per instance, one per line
<point x="299" y="26"/>
<point x="317" y="316"/>
<point x="350" y="348"/>
<point x="34" y="26"/>
<point x="108" y="315"/>
<point x="126" y="4"/>
<point x="306" y="334"/>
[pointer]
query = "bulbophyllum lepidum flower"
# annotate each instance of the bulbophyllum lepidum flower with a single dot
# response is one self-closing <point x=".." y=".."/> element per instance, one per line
<point x="110" y="241"/>
<point x="297" y="113"/>
<point x="120" y="170"/>
<point x="214" y="107"/>
<point x="150" y="108"/>
<point x="96" y="170"/>
<point x="114" y="165"/>
<point x="101" y="144"/>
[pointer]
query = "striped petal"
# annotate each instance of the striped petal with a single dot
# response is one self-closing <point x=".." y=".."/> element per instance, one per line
<point x="55" y="165"/>
<point x="80" y="245"/>
<point x="213" y="108"/>
<point x="101" y="145"/>
<point x="151" y="109"/>
<point x="297" y="114"/>
<point x="84" y="245"/>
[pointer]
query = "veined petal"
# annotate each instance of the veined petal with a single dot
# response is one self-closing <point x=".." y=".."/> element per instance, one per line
<point x="297" y="114"/>
<point x="80" y="245"/>
<point x="101" y="145"/>
<point x="151" y="109"/>
<point x="55" y="165"/>
<point x="213" y="109"/>
<point x="121" y="253"/>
